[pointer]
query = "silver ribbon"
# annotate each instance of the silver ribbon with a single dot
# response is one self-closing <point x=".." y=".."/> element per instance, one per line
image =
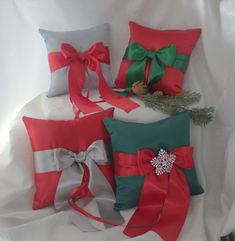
<point x="70" y="163"/>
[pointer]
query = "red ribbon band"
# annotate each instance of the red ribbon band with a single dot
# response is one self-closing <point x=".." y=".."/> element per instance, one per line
<point x="77" y="63"/>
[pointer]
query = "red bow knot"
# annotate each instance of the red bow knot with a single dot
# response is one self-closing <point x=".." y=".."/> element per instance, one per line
<point x="77" y="63"/>
<point x="70" y="53"/>
<point x="165" y="195"/>
<point x="97" y="53"/>
<point x="182" y="158"/>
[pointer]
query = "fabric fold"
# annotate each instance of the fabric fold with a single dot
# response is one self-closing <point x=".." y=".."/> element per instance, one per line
<point x="165" y="195"/>
<point x="77" y="63"/>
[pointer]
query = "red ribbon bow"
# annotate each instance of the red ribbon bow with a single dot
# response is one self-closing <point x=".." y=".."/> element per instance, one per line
<point x="164" y="199"/>
<point x="77" y="63"/>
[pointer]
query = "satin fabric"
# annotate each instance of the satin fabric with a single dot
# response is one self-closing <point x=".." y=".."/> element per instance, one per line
<point x="153" y="40"/>
<point x="166" y="56"/>
<point x="164" y="199"/>
<point x="75" y="135"/>
<point x="128" y="138"/>
<point x="77" y="63"/>
<point x="23" y="51"/>
<point x="81" y="178"/>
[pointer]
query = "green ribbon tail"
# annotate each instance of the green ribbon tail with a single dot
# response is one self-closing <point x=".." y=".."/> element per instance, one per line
<point x="135" y="72"/>
<point x="181" y="62"/>
<point x="156" y="72"/>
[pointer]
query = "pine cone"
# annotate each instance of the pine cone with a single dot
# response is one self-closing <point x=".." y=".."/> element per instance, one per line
<point x="158" y="93"/>
<point x="139" y="88"/>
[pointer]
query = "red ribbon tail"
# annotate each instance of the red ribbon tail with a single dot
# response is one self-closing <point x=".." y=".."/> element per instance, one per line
<point x="175" y="208"/>
<point x="85" y="105"/>
<point x="88" y="85"/>
<point x="153" y="194"/>
<point x="112" y="98"/>
<point x="76" y="81"/>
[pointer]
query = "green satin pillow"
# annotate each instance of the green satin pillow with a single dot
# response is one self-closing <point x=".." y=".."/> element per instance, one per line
<point x="128" y="138"/>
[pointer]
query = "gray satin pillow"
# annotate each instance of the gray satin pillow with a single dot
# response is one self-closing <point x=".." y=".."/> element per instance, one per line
<point x="81" y="40"/>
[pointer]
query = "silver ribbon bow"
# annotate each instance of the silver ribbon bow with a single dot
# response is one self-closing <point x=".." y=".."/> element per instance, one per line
<point x="71" y="165"/>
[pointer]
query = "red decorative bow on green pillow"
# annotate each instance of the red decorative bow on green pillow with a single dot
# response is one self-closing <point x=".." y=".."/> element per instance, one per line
<point x="138" y="169"/>
<point x="165" y="195"/>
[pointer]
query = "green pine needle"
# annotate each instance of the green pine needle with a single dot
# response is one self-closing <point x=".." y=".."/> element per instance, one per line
<point x="202" y="116"/>
<point x="173" y="105"/>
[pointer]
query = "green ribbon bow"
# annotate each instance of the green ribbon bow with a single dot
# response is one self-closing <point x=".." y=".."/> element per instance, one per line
<point x="166" y="56"/>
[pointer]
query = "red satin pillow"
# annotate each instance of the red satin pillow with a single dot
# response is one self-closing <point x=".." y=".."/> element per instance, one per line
<point x="154" y="40"/>
<point x="74" y="135"/>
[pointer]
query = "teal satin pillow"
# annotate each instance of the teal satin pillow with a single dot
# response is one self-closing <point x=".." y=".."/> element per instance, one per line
<point x="128" y="138"/>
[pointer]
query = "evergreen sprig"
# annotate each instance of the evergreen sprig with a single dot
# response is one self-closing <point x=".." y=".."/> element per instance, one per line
<point x="202" y="116"/>
<point x="173" y="105"/>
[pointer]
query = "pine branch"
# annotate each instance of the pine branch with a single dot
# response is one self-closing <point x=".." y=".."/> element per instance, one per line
<point x="173" y="105"/>
<point x="202" y="116"/>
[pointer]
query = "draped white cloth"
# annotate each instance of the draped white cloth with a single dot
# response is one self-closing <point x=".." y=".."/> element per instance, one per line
<point x="24" y="73"/>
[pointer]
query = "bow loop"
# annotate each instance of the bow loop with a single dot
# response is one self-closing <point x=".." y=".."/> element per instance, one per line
<point x="68" y="51"/>
<point x="96" y="152"/>
<point x="63" y="158"/>
<point x="184" y="157"/>
<point x="136" y="52"/>
<point x="97" y="53"/>
<point x="100" y="52"/>
<point x="167" y="55"/>
<point x="143" y="158"/>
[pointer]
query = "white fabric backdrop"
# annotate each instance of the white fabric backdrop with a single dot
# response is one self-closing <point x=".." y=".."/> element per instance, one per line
<point x="24" y="73"/>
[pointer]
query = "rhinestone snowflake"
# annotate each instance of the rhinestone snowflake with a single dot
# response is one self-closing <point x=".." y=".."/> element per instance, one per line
<point x="163" y="162"/>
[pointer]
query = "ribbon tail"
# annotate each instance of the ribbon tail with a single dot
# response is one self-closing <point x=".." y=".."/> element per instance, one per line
<point x="85" y="105"/>
<point x="107" y="212"/>
<point x="104" y="196"/>
<point x="99" y="190"/>
<point x="112" y="98"/>
<point x="81" y="221"/>
<point x="146" y="216"/>
<point x="175" y="208"/>
<point x="156" y="71"/>
<point x="135" y="72"/>
<point x="76" y="81"/>
<point x="69" y="179"/>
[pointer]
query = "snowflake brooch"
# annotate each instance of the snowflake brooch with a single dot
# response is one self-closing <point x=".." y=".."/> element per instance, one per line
<point x="163" y="162"/>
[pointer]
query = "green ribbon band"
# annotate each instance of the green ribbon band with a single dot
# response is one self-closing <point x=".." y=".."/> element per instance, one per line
<point x="166" y="56"/>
